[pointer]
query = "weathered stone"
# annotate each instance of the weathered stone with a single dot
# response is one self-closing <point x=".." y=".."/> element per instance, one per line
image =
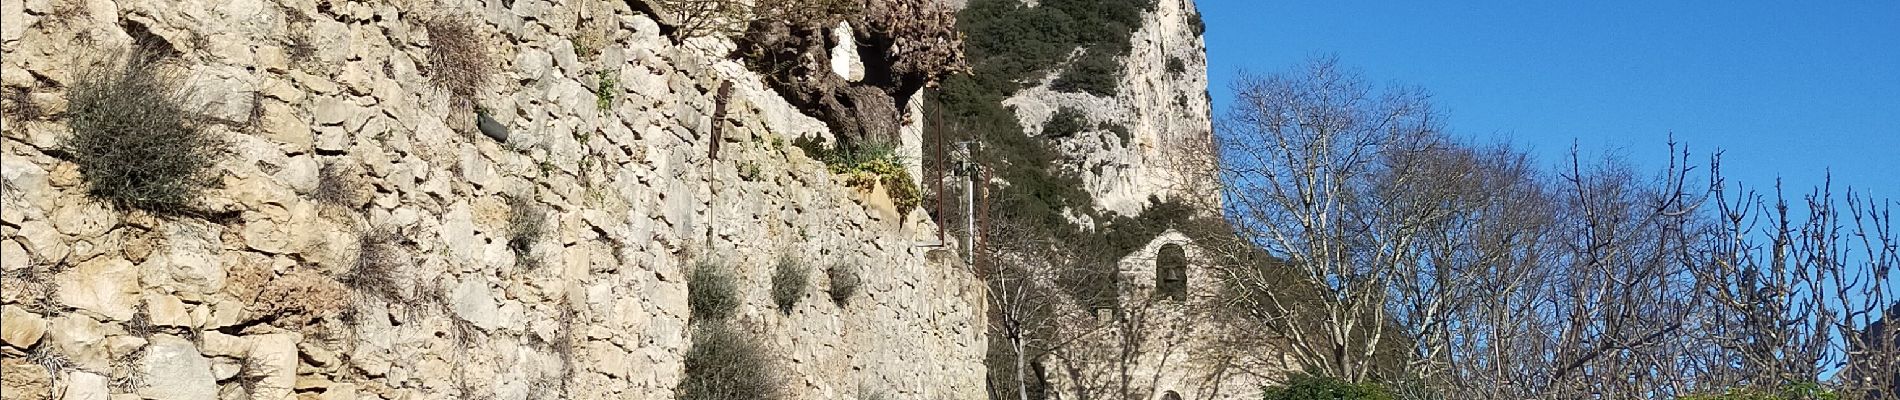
<point x="84" y="219"/>
<point x="458" y="228"/>
<point x="335" y="111"/>
<point x="844" y="55"/>
<point x="191" y="259"/>
<point x="24" y="380"/>
<point x="44" y="241"/>
<point x="284" y="125"/>
<point x="82" y="385"/>
<point x="20" y="328"/>
<point x="104" y="285"/>
<point x="167" y="310"/>
<point x="173" y="369"/>
<point x="275" y="356"/>
<point x="474" y="303"/>
<point x="13" y="256"/>
<point x="81" y="339"/>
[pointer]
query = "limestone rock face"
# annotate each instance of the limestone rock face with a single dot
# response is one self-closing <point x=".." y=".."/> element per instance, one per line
<point x="105" y="286"/>
<point x="1167" y="113"/>
<point x="175" y="370"/>
<point x="24" y="380"/>
<point x="365" y="241"/>
<point x="20" y="328"/>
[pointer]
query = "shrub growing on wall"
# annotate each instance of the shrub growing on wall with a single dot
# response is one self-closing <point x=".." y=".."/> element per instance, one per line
<point x="845" y="279"/>
<point x="790" y="282"/>
<point x="711" y="293"/>
<point x="458" y="59"/>
<point x="135" y="139"/>
<point x="725" y="364"/>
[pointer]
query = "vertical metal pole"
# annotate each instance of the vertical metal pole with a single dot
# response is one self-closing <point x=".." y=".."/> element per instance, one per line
<point x="969" y="201"/>
<point x="937" y="125"/>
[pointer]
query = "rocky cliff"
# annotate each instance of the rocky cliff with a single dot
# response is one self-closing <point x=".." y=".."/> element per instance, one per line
<point x="1160" y="102"/>
<point x="365" y="239"/>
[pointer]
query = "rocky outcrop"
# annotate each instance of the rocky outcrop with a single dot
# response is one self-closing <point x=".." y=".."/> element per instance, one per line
<point x="1165" y="110"/>
<point x="361" y="241"/>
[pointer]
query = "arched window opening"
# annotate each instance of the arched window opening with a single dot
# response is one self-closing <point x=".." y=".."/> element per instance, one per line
<point x="1171" y="395"/>
<point x="1171" y="272"/>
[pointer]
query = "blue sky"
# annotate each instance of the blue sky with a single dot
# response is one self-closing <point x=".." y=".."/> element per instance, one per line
<point x="1788" y="89"/>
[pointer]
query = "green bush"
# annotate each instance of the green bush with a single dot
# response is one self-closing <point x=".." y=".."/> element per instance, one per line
<point x="725" y="364"/>
<point x="1016" y="42"/>
<point x="1067" y="122"/>
<point x="1304" y="387"/>
<point x="845" y="279"/>
<point x="1121" y="131"/>
<point x="790" y="282"/>
<point x="604" y="90"/>
<point x="1199" y="25"/>
<point x="1097" y="73"/>
<point x="136" y="141"/>
<point x="711" y="293"/>
<point x="1176" y="66"/>
<point x="867" y="164"/>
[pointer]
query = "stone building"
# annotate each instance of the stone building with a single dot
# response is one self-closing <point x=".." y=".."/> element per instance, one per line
<point x="1166" y="341"/>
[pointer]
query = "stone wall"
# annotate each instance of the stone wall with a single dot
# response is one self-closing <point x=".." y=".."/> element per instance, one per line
<point x="402" y="281"/>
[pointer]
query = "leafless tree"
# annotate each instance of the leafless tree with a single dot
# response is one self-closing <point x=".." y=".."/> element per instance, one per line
<point x="1301" y="157"/>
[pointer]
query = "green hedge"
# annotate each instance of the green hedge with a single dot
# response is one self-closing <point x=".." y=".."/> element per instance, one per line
<point x="1304" y="387"/>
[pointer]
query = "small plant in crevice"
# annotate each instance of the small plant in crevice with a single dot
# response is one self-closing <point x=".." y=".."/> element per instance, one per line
<point x="55" y="363"/>
<point x="711" y="292"/>
<point x="790" y="282"/>
<point x="136" y="138"/>
<point x="378" y="266"/>
<point x="459" y="60"/>
<point x="337" y="186"/>
<point x="605" y="90"/>
<point x="251" y="375"/>
<point x="17" y="104"/>
<point x="845" y="279"/>
<point x="526" y="224"/>
<point x="1176" y="66"/>
<point x="750" y="170"/>
<point x="124" y="372"/>
<point x="726" y="364"/>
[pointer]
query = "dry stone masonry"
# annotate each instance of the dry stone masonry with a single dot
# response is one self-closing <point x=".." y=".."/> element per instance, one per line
<point x="364" y="239"/>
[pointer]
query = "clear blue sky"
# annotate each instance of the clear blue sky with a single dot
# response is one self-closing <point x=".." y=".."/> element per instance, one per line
<point x="1787" y="89"/>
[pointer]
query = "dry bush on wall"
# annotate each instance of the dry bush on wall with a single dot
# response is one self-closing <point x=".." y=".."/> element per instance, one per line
<point x="458" y="60"/>
<point x="726" y="364"/>
<point x="790" y="282"/>
<point x="135" y="138"/>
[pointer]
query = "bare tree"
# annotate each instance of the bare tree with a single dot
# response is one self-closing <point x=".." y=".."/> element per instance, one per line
<point x="1300" y="153"/>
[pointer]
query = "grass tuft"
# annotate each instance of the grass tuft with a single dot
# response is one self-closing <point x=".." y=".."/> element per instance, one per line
<point x="379" y="261"/>
<point x="526" y="225"/>
<point x="458" y="60"/>
<point x="338" y="187"/>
